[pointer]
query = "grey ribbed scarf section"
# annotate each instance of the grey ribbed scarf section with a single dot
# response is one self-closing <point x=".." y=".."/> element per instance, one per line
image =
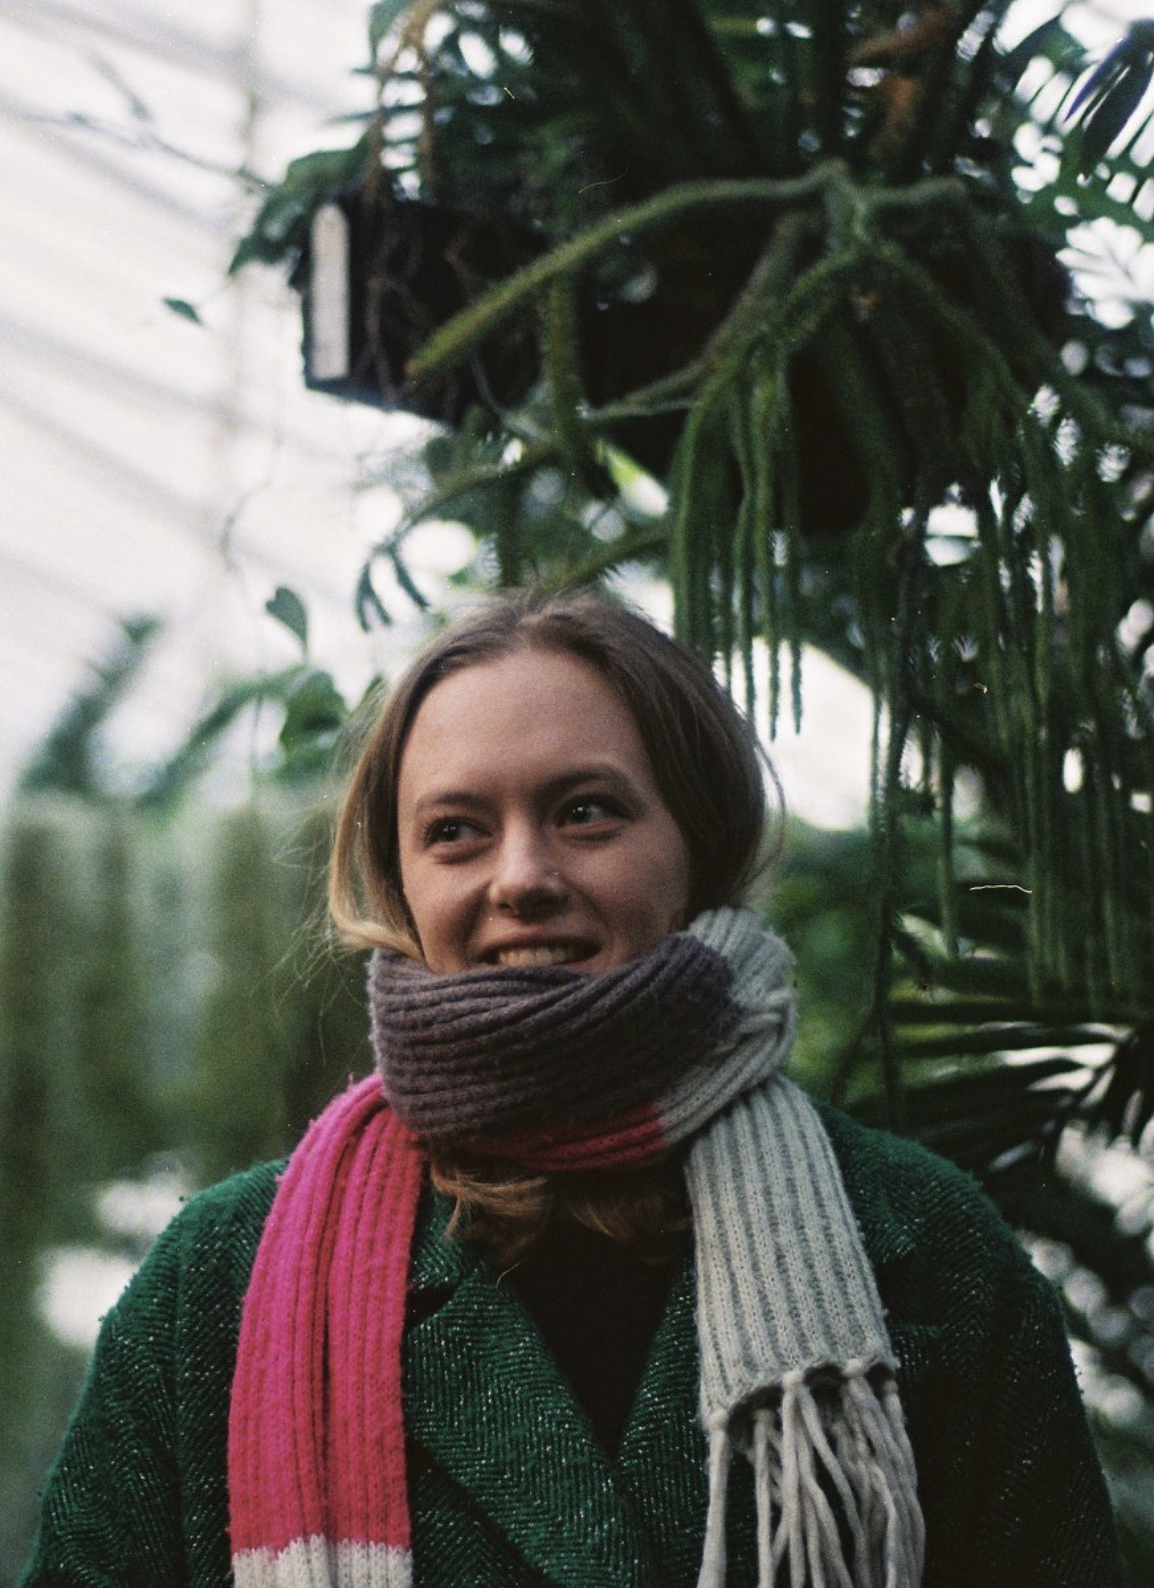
<point x="797" y="1371"/>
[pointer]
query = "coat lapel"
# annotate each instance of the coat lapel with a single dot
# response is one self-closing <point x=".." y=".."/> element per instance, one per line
<point x="487" y="1403"/>
<point x="662" y="1455"/>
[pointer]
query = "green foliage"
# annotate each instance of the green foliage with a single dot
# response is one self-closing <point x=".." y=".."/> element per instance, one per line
<point x="315" y="713"/>
<point x="116" y="1113"/>
<point x="183" y="310"/>
<point x="35" y="1044"/>
<point x="73" y="759"/>
<point x="288" y="608"/>
<point x="793" y="261"/>
<point x="235" y="1099"/>
<point x="281" y="225"/>
<point x="818" y="898"/>
<point x="76" y="1103"/>
<point x="163" y="991"/>
<point x="1110" y="96"/>
<point x="68" y="761"/>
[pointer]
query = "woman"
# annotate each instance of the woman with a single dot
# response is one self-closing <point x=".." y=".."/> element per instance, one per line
<point x="586" y="1293"/>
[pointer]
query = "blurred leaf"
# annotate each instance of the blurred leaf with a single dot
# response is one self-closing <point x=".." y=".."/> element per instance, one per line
<point x="1051" y="40"/>
<point x="986" y="1117"/>
<point x="186" y="310"/>
<point x="367" y="604"/>
<point x="281" y="227"/>
<point x="288" y="608"/>
<point x="1126" y="1106"/>
<point x="68" y="761"/>
<point x="1111" y="94"/>
<point x="315" y="712"/>
<point x="405" y="580"/>
<point x="970" y="1040"/>
<point x="167" y="784"/>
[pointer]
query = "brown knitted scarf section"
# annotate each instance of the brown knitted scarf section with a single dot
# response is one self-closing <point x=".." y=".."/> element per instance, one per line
<point x="494" y="1050"/>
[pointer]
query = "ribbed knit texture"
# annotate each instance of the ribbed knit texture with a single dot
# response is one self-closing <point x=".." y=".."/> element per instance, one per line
<point x="317" y="1465"/>
<point x="316" y="1444"/>
<point x="796" y="1365"/>
<point x="486" y="1053"/>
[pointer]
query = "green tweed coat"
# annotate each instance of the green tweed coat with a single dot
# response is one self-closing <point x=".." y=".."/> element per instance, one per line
<point x="509" y="1489"/>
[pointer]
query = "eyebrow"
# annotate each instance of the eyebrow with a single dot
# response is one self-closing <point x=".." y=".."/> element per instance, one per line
<point x="553" y="788"/>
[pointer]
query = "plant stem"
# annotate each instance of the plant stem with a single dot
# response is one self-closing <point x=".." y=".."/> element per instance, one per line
<point x="465" y="330"/>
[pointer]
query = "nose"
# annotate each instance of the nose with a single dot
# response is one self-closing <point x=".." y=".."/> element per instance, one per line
<point x="525" y="879"/>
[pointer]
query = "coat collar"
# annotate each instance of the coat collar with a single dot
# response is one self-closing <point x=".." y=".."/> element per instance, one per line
<point x="487" y="1402"/>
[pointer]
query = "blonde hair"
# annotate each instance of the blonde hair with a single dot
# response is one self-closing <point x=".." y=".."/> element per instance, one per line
<point x="508" y="1211"/>
<point x="705" y="757"/>
<point x="709" y="769"/>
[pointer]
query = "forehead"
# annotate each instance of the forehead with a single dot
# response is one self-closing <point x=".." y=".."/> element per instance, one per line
<point x="519" y="715"/>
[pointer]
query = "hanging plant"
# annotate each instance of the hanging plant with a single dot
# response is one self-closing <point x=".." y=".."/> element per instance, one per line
<point x="791" y="259"/>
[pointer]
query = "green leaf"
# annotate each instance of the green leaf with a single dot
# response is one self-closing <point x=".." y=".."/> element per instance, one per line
<point x="68" y="760"/>
<point x="186" y="310"/>
<point x="405" y="580"/>
<point x="370" y="609"/>
<point x="1091" y="199"/>
<point x="175" y="776"/>
<point x="288" y="608"/>
<point x="1112" y="93"/>
<point x="969" y="1042"/>
<point x="282" y="223"/>
<point x="1050" y="39"/>
<point x="315" y="712"/>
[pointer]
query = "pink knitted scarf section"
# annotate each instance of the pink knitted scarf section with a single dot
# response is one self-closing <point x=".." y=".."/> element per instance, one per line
<point x="316" y="1453"/>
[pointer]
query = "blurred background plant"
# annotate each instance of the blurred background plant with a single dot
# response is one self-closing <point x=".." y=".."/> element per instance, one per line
<point x="168" y="1012"/>
<point x="829" y="318"/>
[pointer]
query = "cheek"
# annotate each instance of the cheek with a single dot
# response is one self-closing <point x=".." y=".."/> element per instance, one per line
<point x="425" y="899"/>
<point x="436" y="919"/>
<point x="675" y="901"/>
<point x="664" y="892"/>
<point x="425" y="893"/>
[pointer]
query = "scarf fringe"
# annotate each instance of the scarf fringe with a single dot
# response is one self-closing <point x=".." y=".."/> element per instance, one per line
<point x="834" y="1486"/>
<point x="713" y="1554"/>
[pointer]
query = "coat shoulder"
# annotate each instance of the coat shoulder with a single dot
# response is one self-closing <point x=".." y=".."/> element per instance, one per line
<point x="184" y="1301"/>
<point x="907" y="1199"/>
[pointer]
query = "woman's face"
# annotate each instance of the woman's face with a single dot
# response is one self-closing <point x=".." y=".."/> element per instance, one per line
<point x="531" y="830"/>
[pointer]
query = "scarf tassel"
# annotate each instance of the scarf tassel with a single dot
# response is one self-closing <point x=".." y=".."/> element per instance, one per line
<point x="834" y="1487"/>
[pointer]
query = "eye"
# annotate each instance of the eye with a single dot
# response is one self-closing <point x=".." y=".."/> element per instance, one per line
<point x="446" y="831"/>
<point x="591" y="809"/>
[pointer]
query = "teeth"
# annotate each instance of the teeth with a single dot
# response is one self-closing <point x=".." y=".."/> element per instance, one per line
<point x="551" y="955"/>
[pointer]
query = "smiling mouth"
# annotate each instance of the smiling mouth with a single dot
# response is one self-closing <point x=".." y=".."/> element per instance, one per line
<point x="543" y="954"/>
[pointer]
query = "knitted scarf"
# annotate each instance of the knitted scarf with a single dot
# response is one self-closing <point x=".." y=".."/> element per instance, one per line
<point x="557" y="1070"/>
